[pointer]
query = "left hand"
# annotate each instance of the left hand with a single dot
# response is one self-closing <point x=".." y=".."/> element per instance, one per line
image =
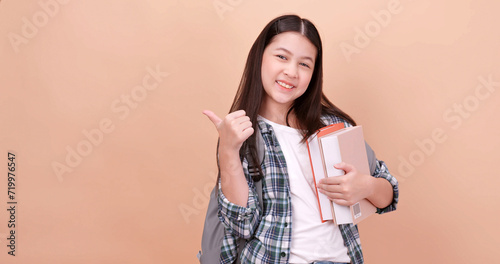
<point x="347" y="189"/>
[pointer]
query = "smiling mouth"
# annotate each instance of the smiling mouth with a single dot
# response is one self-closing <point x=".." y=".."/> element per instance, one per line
<point x="284" y="85"/>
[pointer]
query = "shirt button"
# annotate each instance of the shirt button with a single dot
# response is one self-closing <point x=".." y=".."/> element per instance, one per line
<point x="283" y="254"/>
<point x="286" y="224"/>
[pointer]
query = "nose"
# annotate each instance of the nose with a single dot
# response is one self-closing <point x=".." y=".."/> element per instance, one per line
<point x="291" y="70"/>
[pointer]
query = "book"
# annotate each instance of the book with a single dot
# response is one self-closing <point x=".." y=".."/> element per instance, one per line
<point x="331" y="145"/>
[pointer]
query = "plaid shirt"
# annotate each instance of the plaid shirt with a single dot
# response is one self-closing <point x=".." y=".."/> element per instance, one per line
<point x="267" y="227"/>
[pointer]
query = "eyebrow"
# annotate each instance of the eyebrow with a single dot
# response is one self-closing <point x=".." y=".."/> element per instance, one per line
<point x="289" y="52"/>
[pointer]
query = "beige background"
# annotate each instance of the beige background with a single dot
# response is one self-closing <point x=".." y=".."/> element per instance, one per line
<point x="139" y="192"/>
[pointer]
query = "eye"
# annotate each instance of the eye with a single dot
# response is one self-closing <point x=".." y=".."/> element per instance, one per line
<point x="281" y="57"/>
<point x="305" y="65"/>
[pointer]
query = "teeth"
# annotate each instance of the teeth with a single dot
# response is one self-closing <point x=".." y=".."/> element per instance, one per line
<point x="285" y="85"/>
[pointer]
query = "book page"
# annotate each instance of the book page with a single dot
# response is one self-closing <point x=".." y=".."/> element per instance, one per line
<point x="331" y="154"/>
<point x="325" y="205"/>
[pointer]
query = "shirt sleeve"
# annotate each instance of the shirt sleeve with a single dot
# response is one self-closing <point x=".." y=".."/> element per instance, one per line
<point x="241" y="221"/>
<point x="228" y="251"/>
<point x="381" y="171"/>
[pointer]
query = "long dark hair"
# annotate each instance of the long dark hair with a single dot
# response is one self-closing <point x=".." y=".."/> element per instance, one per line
<point x="308" y="108"/>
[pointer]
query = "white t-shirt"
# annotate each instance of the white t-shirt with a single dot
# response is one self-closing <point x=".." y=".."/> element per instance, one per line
<point x="312" y="240"/>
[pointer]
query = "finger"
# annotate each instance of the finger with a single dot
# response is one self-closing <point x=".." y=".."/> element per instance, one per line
<point x="244" y="125"/>
<point x="213" y="117"/>
<point x="236" y="114"/>
<point x="331" y="188"/>
<point x="333" y="196"/>
<point x="333" y="180"/>
<point x="240" y="123"/>
<point x="241" y="119"/>
<point x="247" y="132"/>
<point x="345" y="167"/>
<point x="342" y="202"/>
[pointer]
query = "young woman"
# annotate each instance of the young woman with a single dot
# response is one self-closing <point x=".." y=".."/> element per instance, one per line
<point x="280" y="96"/>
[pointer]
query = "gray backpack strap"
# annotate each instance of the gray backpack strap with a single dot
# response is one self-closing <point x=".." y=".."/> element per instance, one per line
<point x="258" y="188"/>
<point x="261" y="151"/>
<point x="372" y="160"/>
<point x="261" y="146"/>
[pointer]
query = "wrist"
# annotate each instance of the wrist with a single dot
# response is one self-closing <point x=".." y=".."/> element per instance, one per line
<point x="229" y="161"/>
<point x="370" y="186"/>
<point x="226" y="148"/>
<point x="226" y="151"/>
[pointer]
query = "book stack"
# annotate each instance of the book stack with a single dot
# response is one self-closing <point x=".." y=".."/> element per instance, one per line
<point x="331" y="145"/>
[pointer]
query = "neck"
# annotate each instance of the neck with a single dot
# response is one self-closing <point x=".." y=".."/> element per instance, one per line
<point x="278" y="115"/>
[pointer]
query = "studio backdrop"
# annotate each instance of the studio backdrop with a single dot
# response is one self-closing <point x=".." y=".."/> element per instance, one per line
<point x="107" y="158"/>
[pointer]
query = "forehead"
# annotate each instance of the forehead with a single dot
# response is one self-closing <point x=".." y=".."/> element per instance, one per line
<point x="293" y="42"/>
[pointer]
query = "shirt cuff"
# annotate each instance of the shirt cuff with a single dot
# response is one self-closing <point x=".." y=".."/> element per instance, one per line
<point x="233" y="212"/>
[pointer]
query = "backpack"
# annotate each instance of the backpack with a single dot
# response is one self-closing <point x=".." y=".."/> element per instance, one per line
<point x="213" y="229"/>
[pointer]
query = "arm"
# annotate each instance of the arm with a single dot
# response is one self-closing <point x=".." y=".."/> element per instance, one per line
<point x="232" y="178"/>
<point x="237" y="201"/>
<point x="381" y="189"/>
<point x="381" y="172"/>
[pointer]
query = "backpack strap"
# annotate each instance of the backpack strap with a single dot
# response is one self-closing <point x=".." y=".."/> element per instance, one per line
<point x="261" y="151"/>
<point x="372" y="160"/>
<point x="258" y="187"/>
<point x="252" y="168"/>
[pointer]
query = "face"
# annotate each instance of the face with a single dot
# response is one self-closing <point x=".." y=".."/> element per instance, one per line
<point x="287" y="68"/>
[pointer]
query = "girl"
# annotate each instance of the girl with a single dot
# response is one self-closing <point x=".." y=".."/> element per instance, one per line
<point x="280" y="96"/>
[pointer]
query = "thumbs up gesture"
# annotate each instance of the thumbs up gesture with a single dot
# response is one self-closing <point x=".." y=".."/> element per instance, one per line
<point x="233" y="130"/>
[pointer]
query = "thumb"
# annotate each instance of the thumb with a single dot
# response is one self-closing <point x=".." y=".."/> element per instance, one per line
<point x="213" y="117"/>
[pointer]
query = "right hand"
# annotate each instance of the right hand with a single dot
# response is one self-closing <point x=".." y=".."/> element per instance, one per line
<point x="233" y="130"/>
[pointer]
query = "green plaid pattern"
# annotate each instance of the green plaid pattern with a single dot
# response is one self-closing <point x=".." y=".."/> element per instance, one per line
<point x="267" y="227"/>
